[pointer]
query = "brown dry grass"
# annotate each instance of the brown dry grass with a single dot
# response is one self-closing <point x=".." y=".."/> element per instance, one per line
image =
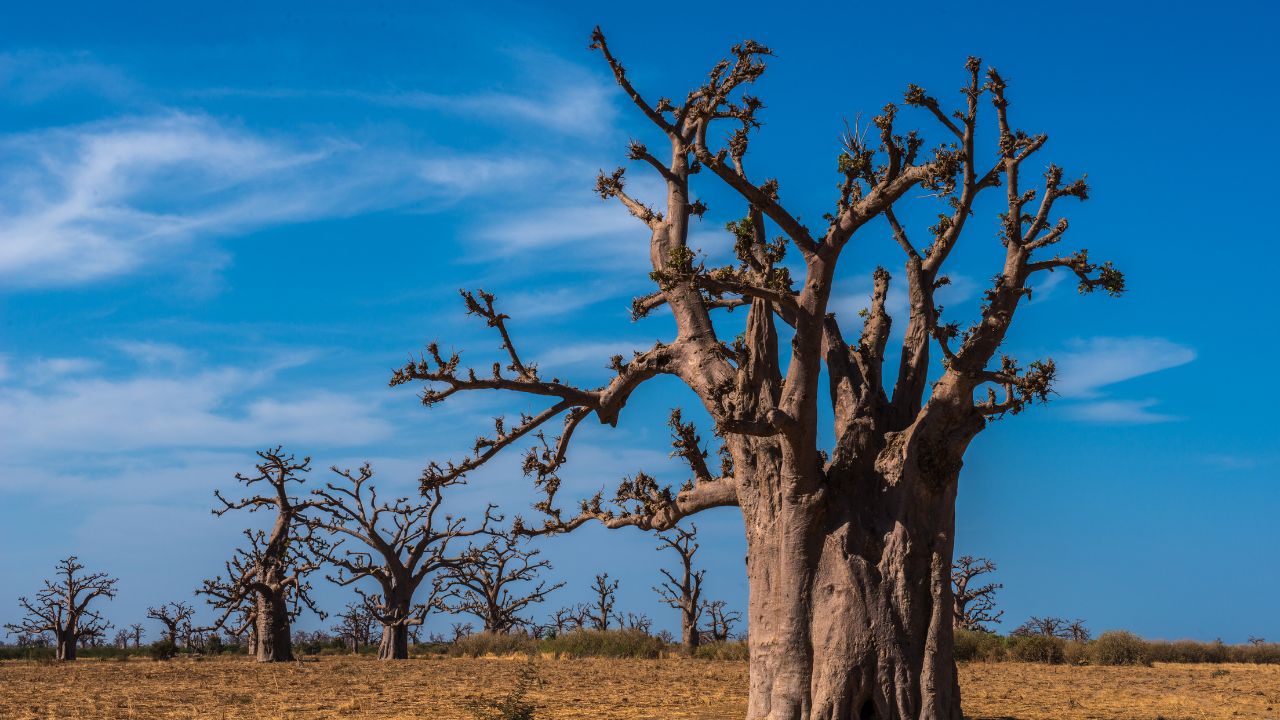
<point x="226" y="688"/>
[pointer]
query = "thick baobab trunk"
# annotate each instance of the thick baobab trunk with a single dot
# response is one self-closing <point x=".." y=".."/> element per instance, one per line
<point x="395" y="642"/>
<point x="67" y="645"/>
<point x="850" y="595"/>
<point x="275" y="644"/>
<point x="689" y="632"/>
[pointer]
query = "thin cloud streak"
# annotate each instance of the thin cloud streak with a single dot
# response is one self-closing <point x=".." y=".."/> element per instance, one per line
<point x="106" y="199"/>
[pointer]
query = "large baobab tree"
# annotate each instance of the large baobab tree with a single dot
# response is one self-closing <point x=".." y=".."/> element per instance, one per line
<point x="498" y="582"/>
<point x="402" y="545"/>
<point x="975" y="605"/>
<point x="849" y="542"/>
<point x="270" y="573"/>
<point x="682" y="590"/>
<point x="62" y="608"/>
<point x="176" y="619"/>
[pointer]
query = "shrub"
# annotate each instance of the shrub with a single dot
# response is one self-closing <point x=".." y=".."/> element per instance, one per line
<point x="1037" y="648"/>
<point x="1075" y="652"/>
<point x="735" y="650"/>
<point x="1261" y="653"/>
<point x="162" y="650"/>
<point x="979" y="646"/>
<point x="626" y="643"/>
<point x="489" y="643"/>
<point x="1188" y="651"/>
<point x="1118" y="647"/>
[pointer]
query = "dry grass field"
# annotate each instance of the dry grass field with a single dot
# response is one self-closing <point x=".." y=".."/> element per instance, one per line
<point x="227" y="688"/>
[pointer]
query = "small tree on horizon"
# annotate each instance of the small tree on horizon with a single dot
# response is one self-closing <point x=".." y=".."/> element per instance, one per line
<point x="683" y="592"/>
<point x="176" y="619"/>
<point x="600" y="610"/>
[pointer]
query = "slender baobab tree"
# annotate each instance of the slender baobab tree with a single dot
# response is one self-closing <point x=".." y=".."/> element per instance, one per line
<point x="498" y="582"/>
<point x="975" y="606"/>
<point x="682" y="590"/>
<point x="62" y="608"/>
<point x="269" y="574"/>
<point x="600" y="610"/>
<point x="849" y="544"/>
<point x="135" y="634"/>
<point x="402" y="544"/>
<point x="176" y="619"/>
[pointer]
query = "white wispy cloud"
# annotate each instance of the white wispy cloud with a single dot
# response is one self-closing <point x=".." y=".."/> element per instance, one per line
<point x="150" y="352"/>
<point x="1089" y="365"/>
<point x="216" y="407"/>
<point x="560" y="96"/>
<point x="596" y="233"/>
<point x="589" y="353"/>
<point x="103" y="199"/>
<point x="1122" y="412"/>
<point x="45" y="370"/>
<point x="563" y="299"/>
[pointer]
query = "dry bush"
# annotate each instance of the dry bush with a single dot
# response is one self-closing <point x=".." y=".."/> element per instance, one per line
<point x="625" y="643"/>
<point x="979" y="646"/>
<point x="1037" y="648"/>
<point x="1118" y="647"/>
<point x="491" y="643"/>
<point x="732" y="650"/>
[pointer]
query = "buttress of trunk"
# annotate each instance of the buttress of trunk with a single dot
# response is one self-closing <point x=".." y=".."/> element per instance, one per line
<point x="689" y="633"/>
<point x="850" y="601"/>
<point x="395" y="642"/>
<point x="274" y="641"/>
<point x="67" y="648"/>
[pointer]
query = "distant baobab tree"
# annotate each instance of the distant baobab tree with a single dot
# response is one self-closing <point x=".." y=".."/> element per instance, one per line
<point x="270" y="573"/>
<point x="401" y="545"/>
<point x="682" y="590"/>
<point x="498" y="583"/>
<point x="600" y="610"/>
<point x="720" y="620"/>
<point x="460" y="630"/>
<point x="135" y="634"/>
<point x="849" y="545"/>
<point x="62" y="608"/>
<point x="975" y="606"/>
<point x="573" y="617"/>
<point x="176" y="619"/>
<point x="355" y="625"/>
<point x="1054" y="627"/>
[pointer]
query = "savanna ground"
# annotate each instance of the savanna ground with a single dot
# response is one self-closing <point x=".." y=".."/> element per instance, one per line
<point x="442" y="688"/>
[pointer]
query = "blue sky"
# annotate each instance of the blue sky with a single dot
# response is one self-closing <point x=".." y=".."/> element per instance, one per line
<point x="222" y="227"/>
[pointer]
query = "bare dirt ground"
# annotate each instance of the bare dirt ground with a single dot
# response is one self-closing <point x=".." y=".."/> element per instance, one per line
<point x="343" y="687"/>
